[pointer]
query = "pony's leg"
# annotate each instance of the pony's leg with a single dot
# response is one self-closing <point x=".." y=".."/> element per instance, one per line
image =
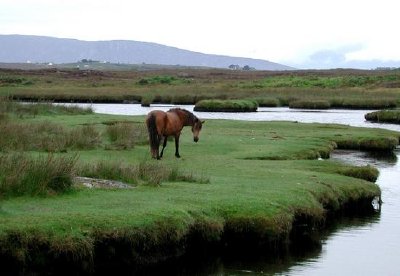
<point x="158" y="147"/>
<point x="164" y="145"/>
<point x="177" y="146"/>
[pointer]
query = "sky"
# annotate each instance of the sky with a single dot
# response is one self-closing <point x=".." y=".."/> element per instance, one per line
<point x="299" y="33"/>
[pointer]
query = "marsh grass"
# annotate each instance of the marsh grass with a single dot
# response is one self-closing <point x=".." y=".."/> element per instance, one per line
<point x="386" y="116"/>
<point x="146" y="172"/>
<point x="41" y="108"/>
<point x="367" y="173"/>
<point x="310" y="104"/>
<point x="24" y="175"/>
<point x="83" y="137"/>
<point x="384" y="144"/>
<point x="124" y="135"/>
<point x="226" y="106"/>
<point x="46" y="136"/>
<point x="341" y="88"/>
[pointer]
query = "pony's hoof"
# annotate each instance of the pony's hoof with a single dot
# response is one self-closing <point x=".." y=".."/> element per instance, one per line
<point x="177" y="156"/>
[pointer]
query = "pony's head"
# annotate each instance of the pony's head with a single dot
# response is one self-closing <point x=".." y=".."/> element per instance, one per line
<point x="196" y="128"/>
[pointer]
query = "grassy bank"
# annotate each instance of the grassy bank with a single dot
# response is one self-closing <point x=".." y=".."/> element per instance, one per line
<point x="384" y="116"/>
<point x="260" y="180"/>
<point x="226" y="106"/>
<point x="340" y="88"/>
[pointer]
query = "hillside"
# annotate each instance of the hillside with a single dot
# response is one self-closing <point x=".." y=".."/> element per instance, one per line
<point x="39" y="49"/>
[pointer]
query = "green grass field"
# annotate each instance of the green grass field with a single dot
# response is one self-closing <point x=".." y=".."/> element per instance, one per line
<point x="260" y="177"/>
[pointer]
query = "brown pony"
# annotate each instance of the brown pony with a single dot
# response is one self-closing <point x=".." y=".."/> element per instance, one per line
<point x="162" y="124"/>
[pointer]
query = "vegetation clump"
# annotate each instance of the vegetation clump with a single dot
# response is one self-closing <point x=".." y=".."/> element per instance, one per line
<point x="226" y="106"/>
<point x="385" y="116"/>
<point x="310" y="104"/>
<point x="24" y="175"/>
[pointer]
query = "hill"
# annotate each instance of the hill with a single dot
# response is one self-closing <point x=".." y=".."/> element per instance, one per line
<point x="41" y="49"/>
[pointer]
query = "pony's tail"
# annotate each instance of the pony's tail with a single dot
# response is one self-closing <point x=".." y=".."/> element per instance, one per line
<point x="152" y="129"/>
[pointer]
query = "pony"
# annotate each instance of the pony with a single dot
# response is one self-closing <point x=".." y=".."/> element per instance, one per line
<point x="161" y="125"/>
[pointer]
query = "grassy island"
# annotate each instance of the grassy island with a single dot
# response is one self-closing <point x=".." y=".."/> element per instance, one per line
<point x="243" y="183"/>
<point x="226" y="106"/>
<point x="384" y="116"/>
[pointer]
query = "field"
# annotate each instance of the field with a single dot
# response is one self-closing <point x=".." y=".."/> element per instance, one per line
<point x="243" y="184"/>
<point x="331" y="88"/>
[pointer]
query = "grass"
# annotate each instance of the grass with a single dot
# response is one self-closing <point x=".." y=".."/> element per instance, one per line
<point x="23" y="175"/>
<point x="341" y="88"/>
<point x="244" y="182"/>
<point x="315" y="104"/>
<point x="226" y="106"/>
<point x="386" y="116"/>
<point x="257" y="180"/>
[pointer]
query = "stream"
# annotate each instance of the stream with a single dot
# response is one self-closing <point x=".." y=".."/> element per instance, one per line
<point x="364" y="245"/>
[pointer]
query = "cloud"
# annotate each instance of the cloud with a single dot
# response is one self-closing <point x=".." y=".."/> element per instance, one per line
<point x="342" y="57"/>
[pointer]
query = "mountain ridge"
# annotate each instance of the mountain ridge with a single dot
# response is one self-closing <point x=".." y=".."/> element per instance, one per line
<point x="40" y="49"/>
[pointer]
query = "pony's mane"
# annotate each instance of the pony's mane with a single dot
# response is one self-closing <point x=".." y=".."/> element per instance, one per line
<point x="190" y="116"/>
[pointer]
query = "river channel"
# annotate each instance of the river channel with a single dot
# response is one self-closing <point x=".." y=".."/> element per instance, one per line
<point x="366" y="245"/>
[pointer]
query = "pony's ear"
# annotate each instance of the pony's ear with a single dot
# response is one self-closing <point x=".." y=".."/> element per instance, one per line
<point x="202" y="122"/>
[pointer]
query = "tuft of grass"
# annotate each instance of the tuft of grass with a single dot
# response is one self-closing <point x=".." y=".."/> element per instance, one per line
<point x="83" y="137"/>
<point x="363" y="103"/>
<point x="124" y="135"/>
<point x="109" y="170"/>
<point x="145" y="172"/>
<point x="368" y="172"/>
<point x="226" y="106"/>
<point x="386" y="116"/>
<point x="46" y="136"/>
<point x="24" y="175"/>
<point x="310" y="104"/>
<point x="36" y="109"/>
<point x="268" y="102"/>
<point x="369" y="144"/>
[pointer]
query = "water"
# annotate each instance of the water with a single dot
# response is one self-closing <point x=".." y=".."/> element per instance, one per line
<point x="331" y="116"/>
<point x="355" y="246"/>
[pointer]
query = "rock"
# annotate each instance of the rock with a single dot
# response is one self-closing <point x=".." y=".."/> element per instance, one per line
<point x="100" y="183"/>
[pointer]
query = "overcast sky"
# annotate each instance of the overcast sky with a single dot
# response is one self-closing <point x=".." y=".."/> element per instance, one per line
<point x="299" y="33"/>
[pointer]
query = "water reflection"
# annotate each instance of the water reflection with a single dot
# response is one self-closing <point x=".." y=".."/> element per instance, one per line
<point x="365" y="246"/>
